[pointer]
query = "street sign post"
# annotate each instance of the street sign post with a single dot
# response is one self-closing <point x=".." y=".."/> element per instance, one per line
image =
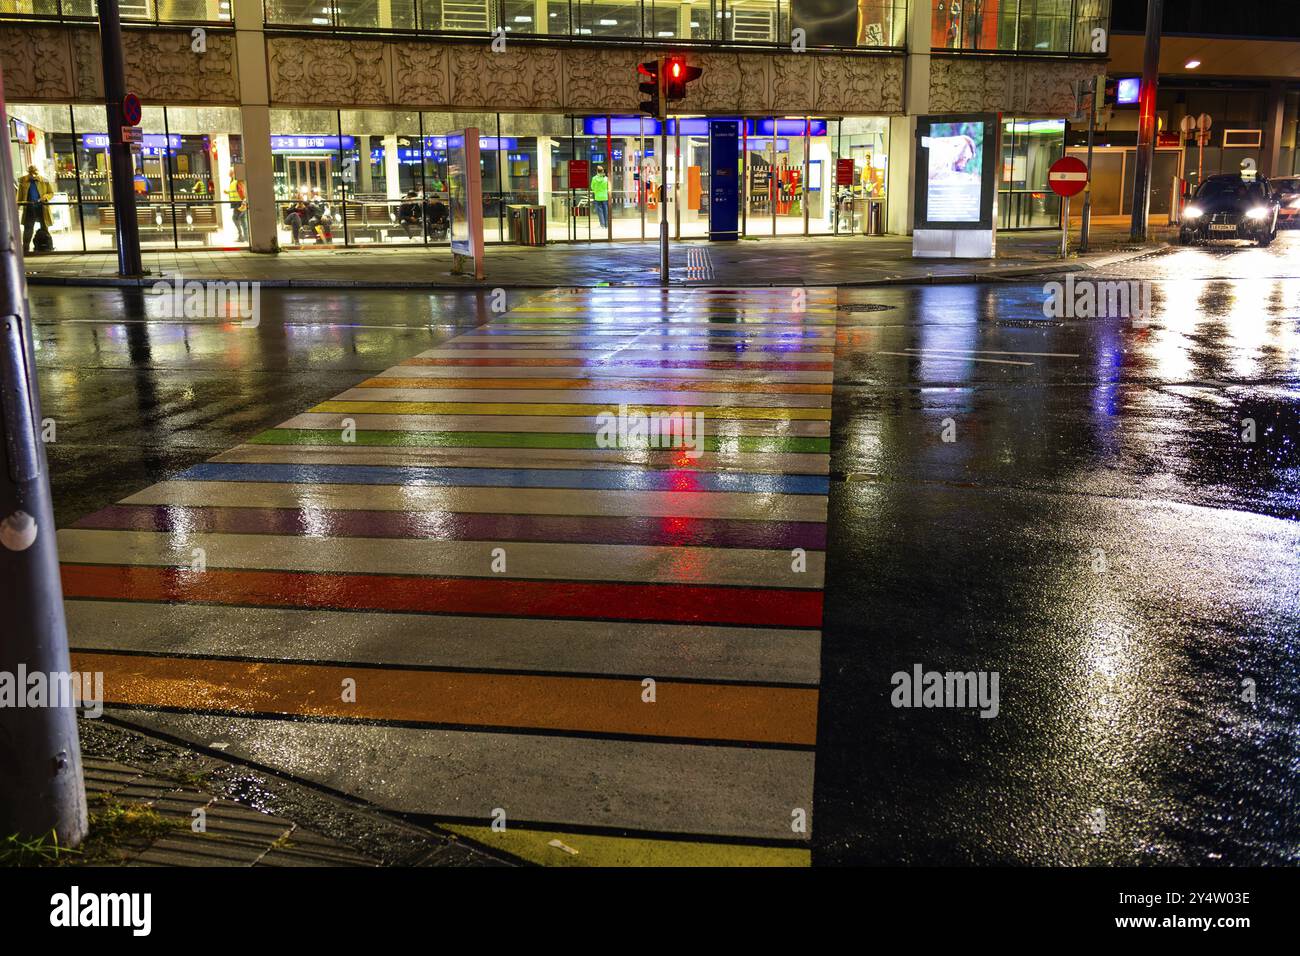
<point x="1098" y="88"/>
<point x="121" y="166"/>
<point x="1067" y="177"/>
<point x="1198" y="126"/>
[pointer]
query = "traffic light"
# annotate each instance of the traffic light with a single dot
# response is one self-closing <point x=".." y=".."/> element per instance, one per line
<point x="651" y="88"/>
<point x="678" y="74"/>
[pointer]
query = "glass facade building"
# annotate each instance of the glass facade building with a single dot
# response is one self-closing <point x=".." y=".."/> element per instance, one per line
<point x="346" y="176"/>
<point x="372" y="166"/>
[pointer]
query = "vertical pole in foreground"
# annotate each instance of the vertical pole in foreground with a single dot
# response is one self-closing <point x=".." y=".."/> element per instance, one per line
<point x="121" y="169"/>
<point x="1065" y="226"/>
<point x="1098" y="85"/>
<point x="1146" y="143"/>
<point x="41" y="787"/>
<point x="663" y="201"/>
<point x="662" y="74"/>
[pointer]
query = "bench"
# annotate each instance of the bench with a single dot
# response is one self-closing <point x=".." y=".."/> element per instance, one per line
<point x="192" y="221"/>
<point x="375" y="219"/>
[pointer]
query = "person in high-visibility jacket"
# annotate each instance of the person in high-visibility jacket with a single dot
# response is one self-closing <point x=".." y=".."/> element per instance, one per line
<point x="600" y="196"/>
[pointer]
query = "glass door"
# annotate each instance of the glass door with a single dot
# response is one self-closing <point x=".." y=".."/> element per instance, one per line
<point x="760" y="187"/>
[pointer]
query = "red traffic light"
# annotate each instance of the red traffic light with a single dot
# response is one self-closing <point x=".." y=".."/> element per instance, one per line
<point x="678" y="75"/>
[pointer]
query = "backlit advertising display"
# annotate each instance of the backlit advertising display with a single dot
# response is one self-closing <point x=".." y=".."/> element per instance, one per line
<point x="955" y="160"/>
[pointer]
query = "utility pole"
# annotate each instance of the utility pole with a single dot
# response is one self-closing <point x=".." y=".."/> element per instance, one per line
<point x="120" y="165"/>
<point x="663" y="174"/>
<point x="1098" y="86"/>
<point x="1146" y="143"/>
<point x="41" y="786"/>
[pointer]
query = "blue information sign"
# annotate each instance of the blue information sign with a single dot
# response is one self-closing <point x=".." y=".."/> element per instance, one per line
<point x="724" y="179"/>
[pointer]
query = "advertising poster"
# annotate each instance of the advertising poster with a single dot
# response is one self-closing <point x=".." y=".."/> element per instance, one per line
<point x="955" y="172"/>
<point x="457" y="193"/>
<point x="465" y="198"/>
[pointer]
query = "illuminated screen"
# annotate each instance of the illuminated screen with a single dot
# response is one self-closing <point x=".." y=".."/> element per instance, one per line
<point x="955" y="180"/>
<point x="458" y="195"/>
<point x="1127" y="90"/>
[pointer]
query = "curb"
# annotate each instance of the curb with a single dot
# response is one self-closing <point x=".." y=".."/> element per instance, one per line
<point x="389" y="838"/>
<point x="993" y="274"/>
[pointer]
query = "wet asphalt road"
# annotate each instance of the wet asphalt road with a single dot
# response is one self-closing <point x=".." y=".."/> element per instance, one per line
<point x="1097" y="533"/>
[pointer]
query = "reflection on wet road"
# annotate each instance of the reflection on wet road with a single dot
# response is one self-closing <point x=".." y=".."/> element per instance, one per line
<point x="1098" y="532"/>
<point x="445" y="591"/>
<point x="1095" y="529"/>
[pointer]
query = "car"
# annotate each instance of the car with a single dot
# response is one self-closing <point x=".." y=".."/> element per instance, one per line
<point x="1231" y="206"/>
<point x="1288" y="194"/>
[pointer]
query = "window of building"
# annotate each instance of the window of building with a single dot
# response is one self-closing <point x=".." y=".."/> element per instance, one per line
<point x="158" y="11"/>
<point x="181" y="175"/>
<point x="1029" y="147"/>
<point x="1030" y="26"/>
<point x="824" y="23"/>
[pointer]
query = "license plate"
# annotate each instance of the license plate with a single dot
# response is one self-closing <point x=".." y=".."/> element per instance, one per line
<point x="1222" y="228"/>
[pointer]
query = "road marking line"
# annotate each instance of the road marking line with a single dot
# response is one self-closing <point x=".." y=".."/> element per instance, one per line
<point x="695" y="711"/>
<point x="996" y="352"/>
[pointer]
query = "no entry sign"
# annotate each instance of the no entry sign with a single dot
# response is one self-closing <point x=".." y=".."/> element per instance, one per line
<point x="1067" y="176"/>
<point x="132" y="111"/>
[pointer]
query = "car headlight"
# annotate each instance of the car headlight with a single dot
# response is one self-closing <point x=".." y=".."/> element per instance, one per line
<point x="1259" y="212"/>
<point x="1191" y="212"/>
<point x="1295" y="203"/>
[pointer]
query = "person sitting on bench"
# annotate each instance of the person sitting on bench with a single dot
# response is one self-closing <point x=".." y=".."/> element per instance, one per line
<point x="296" y="216"/>
<point x="408" y="214"/>
<point x="439" y="219"/>
<point x="322" y="218"/>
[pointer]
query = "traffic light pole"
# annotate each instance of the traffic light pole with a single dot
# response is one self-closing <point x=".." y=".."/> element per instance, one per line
<point x="666" y="82"/>
<point x="41" y="787"/>
<point x="1087" y="190"/>
<point x="121" y="168"/>
<point x="663" y="194"/>
<point x="1146" y="141"/>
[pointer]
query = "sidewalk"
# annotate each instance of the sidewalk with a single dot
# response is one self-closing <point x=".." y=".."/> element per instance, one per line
<point x="144" y="796"/>
<point x="813" y="261"/>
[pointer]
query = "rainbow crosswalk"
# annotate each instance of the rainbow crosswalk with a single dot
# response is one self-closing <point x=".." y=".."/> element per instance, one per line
<point x="443" y="592"/>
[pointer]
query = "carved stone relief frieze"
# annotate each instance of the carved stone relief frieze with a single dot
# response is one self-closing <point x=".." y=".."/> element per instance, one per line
<point x="37" y="64"/>
<point x="1011" y="86"/>
<point x="311" y="71"/>
<point x="420" y="74"/>
<point x="162" y="68"/>
<point x="520" y="78"/>
<point x="856" y="85"/>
